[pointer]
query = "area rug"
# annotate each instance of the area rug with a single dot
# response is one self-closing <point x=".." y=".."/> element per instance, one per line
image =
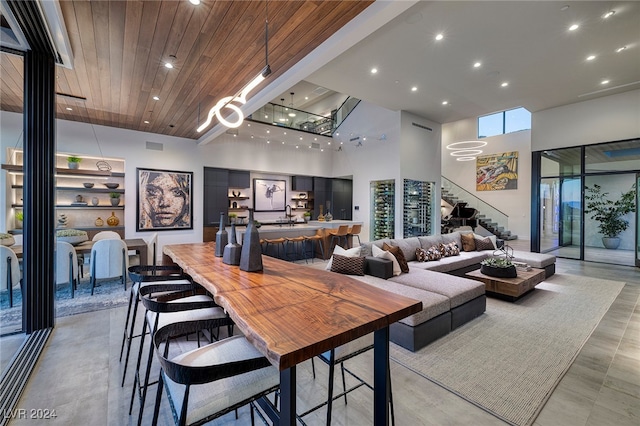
<point x="509" y="360"/>
<point x="107" y="294"/>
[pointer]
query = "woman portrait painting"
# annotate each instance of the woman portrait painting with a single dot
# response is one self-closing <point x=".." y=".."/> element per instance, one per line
<point x="164" y="200"/>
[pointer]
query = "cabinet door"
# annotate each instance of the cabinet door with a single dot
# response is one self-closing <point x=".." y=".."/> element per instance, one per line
<point x="302" y="183"/>
<point x="342" y="194"/>
<point x="321" y="195"/>
<point x="216" y="190"/>
<point x="239" y="179"/>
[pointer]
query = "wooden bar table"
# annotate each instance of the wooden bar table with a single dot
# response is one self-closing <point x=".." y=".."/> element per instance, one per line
<point x="292" y="313"/>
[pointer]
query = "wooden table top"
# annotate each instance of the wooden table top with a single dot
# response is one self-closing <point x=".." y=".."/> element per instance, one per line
<point x="292" y="312"/>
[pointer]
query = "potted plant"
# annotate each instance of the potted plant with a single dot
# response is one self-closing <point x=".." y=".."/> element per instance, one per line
<point x="232" y="217"/>
<point x="73" y="162"/>
<point x="609" y="213"/>
<point x="306" y="216"/>
<point x="19" y="218"/>
<point x="72" y="236"/>
<point x="499" y="267"/>
<point x="115" y="198"/>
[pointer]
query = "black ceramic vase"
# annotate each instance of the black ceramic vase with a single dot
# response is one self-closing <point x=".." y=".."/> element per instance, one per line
<point x="222" y="238"/>
<point x="492" y="271"/>
<point x="251" y="257"/>
<point x="233" y="250"/>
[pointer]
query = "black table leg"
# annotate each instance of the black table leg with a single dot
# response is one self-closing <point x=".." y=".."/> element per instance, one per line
<point x="381" y="377"/>
<point x="288" y="396"/>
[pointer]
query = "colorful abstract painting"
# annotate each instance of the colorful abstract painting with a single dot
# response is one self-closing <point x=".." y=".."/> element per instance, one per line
<point x="497" y="172"/>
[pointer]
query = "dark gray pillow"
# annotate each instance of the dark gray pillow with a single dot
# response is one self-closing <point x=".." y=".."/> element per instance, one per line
<point x="348" y="265"/>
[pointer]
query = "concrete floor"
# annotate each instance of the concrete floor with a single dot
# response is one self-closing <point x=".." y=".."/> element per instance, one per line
<point x="79" y="375"/>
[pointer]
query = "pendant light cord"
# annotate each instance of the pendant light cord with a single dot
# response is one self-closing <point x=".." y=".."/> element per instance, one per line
<point x="102" y="164"/>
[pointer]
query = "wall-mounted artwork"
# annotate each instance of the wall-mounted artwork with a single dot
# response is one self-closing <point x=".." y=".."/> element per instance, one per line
<point x="269" y="195"/>
<point x="164" y="200"/>
<point x="496" y="172"/>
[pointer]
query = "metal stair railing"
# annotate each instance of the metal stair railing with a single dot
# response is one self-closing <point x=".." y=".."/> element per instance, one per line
<point x="343" y="112"/>
<point x="487" y="210"/>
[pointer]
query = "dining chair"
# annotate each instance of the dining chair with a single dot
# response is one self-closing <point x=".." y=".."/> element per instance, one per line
<point x="152" y="242"/>
<point x="171" y="308"/>
<point x="9" y="271"/>
<point x="144" y="275"/>
<point x="205" y="383"/>
<point x="108" y="260"/>
<point x="66" y="265"/>
<point x="106" y="235"/>
<point x="338" y="356"/>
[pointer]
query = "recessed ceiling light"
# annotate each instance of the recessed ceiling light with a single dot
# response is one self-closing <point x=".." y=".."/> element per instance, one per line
<point x="268" y="131"/>
<point x="268" y="141"/>
<point x="565" y="7"/>
<point x="505" y="84"/>
<point x="282" y="142"/>
<point x="445" y="102"/>
<point x="609" y="14"/>
<point x="315" y="139"/>
<point x="337" y="133"/>
<point x="155" y="98"/>
<point x="439" y="37"/>
<point x="266" y="116"/>
<point x="291" y="114"/>
<point x="297" y="146"/>
<point x="146" y="121"/>
<point x="364" y="138"/>
<point x="414" y="89"/>
<point x="477" y="65"/>
<point x="248" y="125"/>
<point x="69" y="109"/>
<point x="328" y="143"/>
<point x="306" y="98"/>
<point x="282" y="119"/>
<point x="300" y="137"/>
<point x="574" y="27"/>
<point x="251" y="136"/>
<point x="620" y="49"/>
<point x="374" y="70"/>
<point x="321" y="149"/>
<point x="604" y="82"/>
<point x="309" y="146"/>
<point x="285" y="133"/>
<point x="341" y="143"/>
<point x="168" y="65"/>
<point x="194" y="2"/>
<point x="591" y="57"/>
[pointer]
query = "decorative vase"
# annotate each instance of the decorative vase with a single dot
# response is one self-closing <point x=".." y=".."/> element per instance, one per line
<point x="78" y="198"/>
<point x="611" y="243"/>
<point x="115" y="201"/>
<point x="113" y="220"/>
<point x="233" y="250"/>
<point x="251" y="257"/>
<point x="99" y="222"/>
<point x="328" y="217"/>
<point x="321" y="216"/>
<point x="492" y="271"/>
<point x="95" y="201"/>
<point x="222" y="238"/>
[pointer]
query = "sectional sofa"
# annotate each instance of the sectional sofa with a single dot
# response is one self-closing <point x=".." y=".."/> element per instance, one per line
<point x="449" y="300"/>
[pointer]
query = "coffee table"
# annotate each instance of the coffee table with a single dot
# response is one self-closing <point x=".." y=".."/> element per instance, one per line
<point x="509" y="288"/>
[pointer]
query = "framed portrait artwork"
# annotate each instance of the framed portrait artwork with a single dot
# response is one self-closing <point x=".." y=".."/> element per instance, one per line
<point x="164" y="200"/>
<point x="269" y="195"/>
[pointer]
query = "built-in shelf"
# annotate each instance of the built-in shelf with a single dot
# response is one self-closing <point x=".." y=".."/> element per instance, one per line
<point x="70" y="172"/>
<point x="238" y="198"/>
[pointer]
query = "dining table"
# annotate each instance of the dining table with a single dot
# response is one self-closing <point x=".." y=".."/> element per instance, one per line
<point x="137" y="244"/>
<point x="293" y="312"/>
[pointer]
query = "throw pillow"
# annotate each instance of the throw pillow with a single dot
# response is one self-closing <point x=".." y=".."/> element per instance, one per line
<point x="395" y="250"/>
<point x="468" y="242"/>
<point x="484" y="244"/>
<point x="378" y="252"/>
<point x="449" y="249"/>
<point x="421" y="255"/>
<point x="493" y="239"/>
<point x="352" y="252"/>
<point x="348" y="265"/>
<point x="433" y="253"/>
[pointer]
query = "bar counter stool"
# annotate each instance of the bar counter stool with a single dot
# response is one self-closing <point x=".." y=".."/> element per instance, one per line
<point x="354" y="231"/>
<point x="337" y="235"/>
<point x="313" y="239"/>
<point x="143" y="275"/>
<point x="277" y="242"/>
<point x="298" y="246"/>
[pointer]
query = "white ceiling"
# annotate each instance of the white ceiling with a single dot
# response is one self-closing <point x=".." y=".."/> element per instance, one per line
<point x="526" y="43"/>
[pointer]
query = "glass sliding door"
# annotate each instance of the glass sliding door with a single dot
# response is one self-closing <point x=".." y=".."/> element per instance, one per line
<point x="560" y="216"/>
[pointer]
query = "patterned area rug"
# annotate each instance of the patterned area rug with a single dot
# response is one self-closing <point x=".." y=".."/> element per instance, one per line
<point x="107" y="294"/>
<point x="509" y="360"/>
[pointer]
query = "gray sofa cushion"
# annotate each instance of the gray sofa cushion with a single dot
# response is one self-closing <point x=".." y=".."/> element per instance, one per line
<point x="447" y="264"/>
<point x="536" y="260"/>
<point x="430" y="241"/>
<point x="455" y="237"/>
<point x="433" y="304"/>
<point x="365" y="248"/>
<point x="408" y="247"/>
<point x="458" y="290"/>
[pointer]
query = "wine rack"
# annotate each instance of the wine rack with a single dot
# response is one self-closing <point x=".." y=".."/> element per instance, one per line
<point x="383" y="196"/>
<point x="418" y="199"/>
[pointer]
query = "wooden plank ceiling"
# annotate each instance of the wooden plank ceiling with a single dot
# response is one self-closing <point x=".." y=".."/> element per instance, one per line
<point x="120" y="47"/>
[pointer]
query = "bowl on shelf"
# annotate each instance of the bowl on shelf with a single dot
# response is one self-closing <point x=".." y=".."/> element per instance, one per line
<point x="88" y="185"/>
<point x="112" y="185"/>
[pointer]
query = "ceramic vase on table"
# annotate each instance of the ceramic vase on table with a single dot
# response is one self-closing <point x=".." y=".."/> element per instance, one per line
<point x="222" y="238"/>
<point x="233" y="250"/>
<point x="251" y="257"/>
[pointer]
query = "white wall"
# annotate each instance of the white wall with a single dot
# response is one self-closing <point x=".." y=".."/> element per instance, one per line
<point x="612" y="118"/>
<point x="178" y="154"/>
<point x="514" y="203"/>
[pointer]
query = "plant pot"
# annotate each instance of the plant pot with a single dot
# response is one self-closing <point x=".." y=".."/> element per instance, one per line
<point x="492" y="271"/>
<point x="115" y="201"/>
<point x="611" y="242"/>
<point x="73" y="165"/>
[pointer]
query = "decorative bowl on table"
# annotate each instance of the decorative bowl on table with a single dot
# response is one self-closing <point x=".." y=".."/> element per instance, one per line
<point x="88" y="184"/>
<point x="71" y="236"/>
<point x="112" y="185"/>
<point x="6" y="239"/>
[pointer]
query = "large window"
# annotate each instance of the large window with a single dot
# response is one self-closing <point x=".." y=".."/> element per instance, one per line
<point x="503" y="122"/>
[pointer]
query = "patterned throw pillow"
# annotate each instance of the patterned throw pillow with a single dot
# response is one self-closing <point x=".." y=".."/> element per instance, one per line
<point x="449" y="249"/>
<point x="421" y="255"/>
<point x="434" y="253"/>
<point x="348" y="265"/>
<point x="404" y="267"/>
<point x="484" y="244"/>
<point x="468" y="242"/>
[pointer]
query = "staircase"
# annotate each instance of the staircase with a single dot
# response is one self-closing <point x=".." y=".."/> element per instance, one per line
<point x="493" y="226"/>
